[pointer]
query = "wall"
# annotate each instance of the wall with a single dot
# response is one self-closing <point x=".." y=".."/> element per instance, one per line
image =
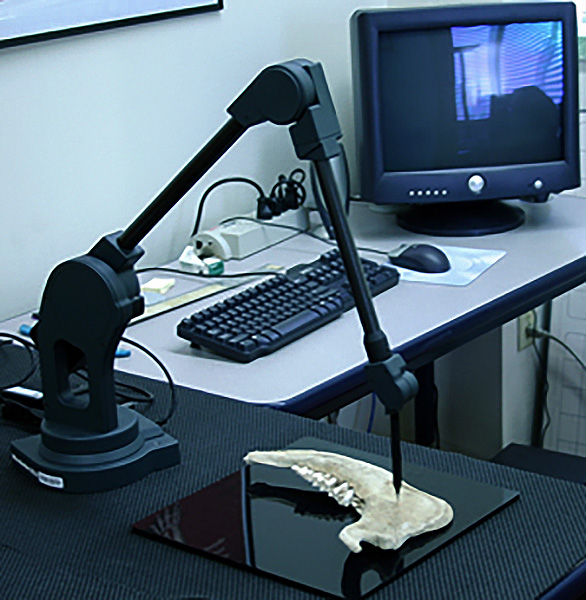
<point x="567" y="379"/>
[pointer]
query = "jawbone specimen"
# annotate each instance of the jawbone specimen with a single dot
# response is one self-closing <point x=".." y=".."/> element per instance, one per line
<point x="386" y="520"/>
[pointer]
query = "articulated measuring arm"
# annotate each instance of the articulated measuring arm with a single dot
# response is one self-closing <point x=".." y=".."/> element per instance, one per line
<point x="89" y="301"/>
<point x="315" y="136"/>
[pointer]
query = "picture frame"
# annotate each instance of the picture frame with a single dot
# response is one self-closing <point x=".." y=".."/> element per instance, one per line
<point x="27" y="21"/>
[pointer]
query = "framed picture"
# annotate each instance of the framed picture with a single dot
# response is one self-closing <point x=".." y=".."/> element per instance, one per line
<point x="25" y="21"/>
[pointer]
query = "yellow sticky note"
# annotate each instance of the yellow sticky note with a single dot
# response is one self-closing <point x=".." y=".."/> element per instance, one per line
<point x="158" y="284"/>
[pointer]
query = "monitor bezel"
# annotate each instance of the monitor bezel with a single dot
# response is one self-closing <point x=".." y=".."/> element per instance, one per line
<point x="452" y="185"/>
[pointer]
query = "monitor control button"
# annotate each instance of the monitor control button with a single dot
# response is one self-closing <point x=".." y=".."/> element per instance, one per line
<point x="538" y="184"/>
<point x="476" y="184"/>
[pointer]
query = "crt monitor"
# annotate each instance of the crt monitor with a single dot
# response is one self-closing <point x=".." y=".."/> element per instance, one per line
<point x="460" y="107"/>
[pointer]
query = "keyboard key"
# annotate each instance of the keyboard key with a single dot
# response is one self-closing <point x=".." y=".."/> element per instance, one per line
<point x="307" y="317"/>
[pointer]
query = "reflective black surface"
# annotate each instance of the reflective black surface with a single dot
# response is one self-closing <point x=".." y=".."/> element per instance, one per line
<point x="273" y="521"/>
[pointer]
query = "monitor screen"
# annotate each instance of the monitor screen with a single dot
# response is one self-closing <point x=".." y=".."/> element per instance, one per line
<point x="458" y="107"/>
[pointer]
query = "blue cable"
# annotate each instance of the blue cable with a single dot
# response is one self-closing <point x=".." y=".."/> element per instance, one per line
<point x="372" y="411"/>
<point x="120" y="352"/>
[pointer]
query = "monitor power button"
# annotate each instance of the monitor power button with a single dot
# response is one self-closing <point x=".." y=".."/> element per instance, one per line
<point x="476" y="184"/>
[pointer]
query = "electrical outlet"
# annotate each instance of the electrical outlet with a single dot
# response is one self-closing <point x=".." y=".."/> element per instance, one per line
<point x="241" y="238"/>
<point x="524" y="322"/>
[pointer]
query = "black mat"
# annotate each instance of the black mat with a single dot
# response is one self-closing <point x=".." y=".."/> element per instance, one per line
<point x="55" y="545"/>
<point x="273" y="522"/>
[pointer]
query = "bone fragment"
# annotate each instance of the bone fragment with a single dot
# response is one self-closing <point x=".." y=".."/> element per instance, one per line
<point x="386" y="520"/>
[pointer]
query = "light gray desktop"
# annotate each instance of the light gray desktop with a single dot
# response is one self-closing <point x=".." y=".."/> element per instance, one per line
<point x="544" y="258"/>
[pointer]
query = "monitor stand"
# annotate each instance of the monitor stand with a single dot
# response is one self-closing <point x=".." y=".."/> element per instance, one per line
<point x="461" y="219"/>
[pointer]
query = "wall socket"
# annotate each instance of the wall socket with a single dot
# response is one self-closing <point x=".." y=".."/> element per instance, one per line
<point x="524" y="322"/>
<point x="241" y="238"/>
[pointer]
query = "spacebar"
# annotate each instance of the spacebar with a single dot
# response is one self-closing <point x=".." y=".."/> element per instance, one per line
<point x="299" y="322"/>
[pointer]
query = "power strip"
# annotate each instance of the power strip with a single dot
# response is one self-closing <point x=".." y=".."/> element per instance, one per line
<point x="241" y="238"/>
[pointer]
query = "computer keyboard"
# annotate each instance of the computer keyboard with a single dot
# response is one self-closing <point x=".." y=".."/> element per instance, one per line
<point x="279" y="310"/>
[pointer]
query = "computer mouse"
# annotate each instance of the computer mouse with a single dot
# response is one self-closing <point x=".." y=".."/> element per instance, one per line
<point x="423" y="258"/>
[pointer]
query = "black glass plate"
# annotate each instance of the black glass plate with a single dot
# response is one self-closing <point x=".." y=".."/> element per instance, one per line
<point x="272" y="521"/>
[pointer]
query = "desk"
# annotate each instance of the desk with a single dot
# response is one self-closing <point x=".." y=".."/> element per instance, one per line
<point x="545" y="258"/>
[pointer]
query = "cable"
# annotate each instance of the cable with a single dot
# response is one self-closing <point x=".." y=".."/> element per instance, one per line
<point x="144" y="396"/>
<point x="307" y="232"/>
<point x="173" y="398"/>
<point x="299" y="173"/>
<point x="535" y="332"/>
<point x="288" y="193"/>
<point x="147" y="397"/>
<point x="207" y="275"/>
<point x="372" y="411"/>
<point x="545" y="391"/>
<point x="29" y="347"/>
<point x="212" y="187"/>
<point x="12" y="405"/>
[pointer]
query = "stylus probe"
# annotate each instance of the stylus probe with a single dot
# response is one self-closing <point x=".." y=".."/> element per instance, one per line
<point x="396" y="458"/>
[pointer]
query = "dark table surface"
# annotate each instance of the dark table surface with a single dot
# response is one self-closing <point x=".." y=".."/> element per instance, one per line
<point x="55" y="545"/>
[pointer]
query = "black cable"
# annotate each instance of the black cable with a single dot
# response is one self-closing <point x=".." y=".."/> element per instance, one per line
<point x="216" y="184"/>
<point x="542" y="419"/>
<point x="289" y="191"/>
<point x="307" y="232"/>
<point x="142" y="396"/>
<point x="147" y="397"/>
<point x="535" y="332"/>
<point x="297" y="175"/>
<point x="208" y="275"/>
<point x="173" y="398"/>
<point x="544" y="392"/>
<point x="30" y="348"/>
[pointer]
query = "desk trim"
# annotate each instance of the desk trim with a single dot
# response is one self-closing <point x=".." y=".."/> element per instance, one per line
<point x="426" y="348"/>
<point x="494" y="314"/>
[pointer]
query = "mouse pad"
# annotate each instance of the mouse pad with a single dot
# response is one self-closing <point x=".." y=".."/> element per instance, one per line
<point x="272" y="521"/>
<point x="467" y="264"/>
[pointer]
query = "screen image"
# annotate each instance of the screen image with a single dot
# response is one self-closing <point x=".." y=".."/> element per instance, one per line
<point x="472" y="96"/>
